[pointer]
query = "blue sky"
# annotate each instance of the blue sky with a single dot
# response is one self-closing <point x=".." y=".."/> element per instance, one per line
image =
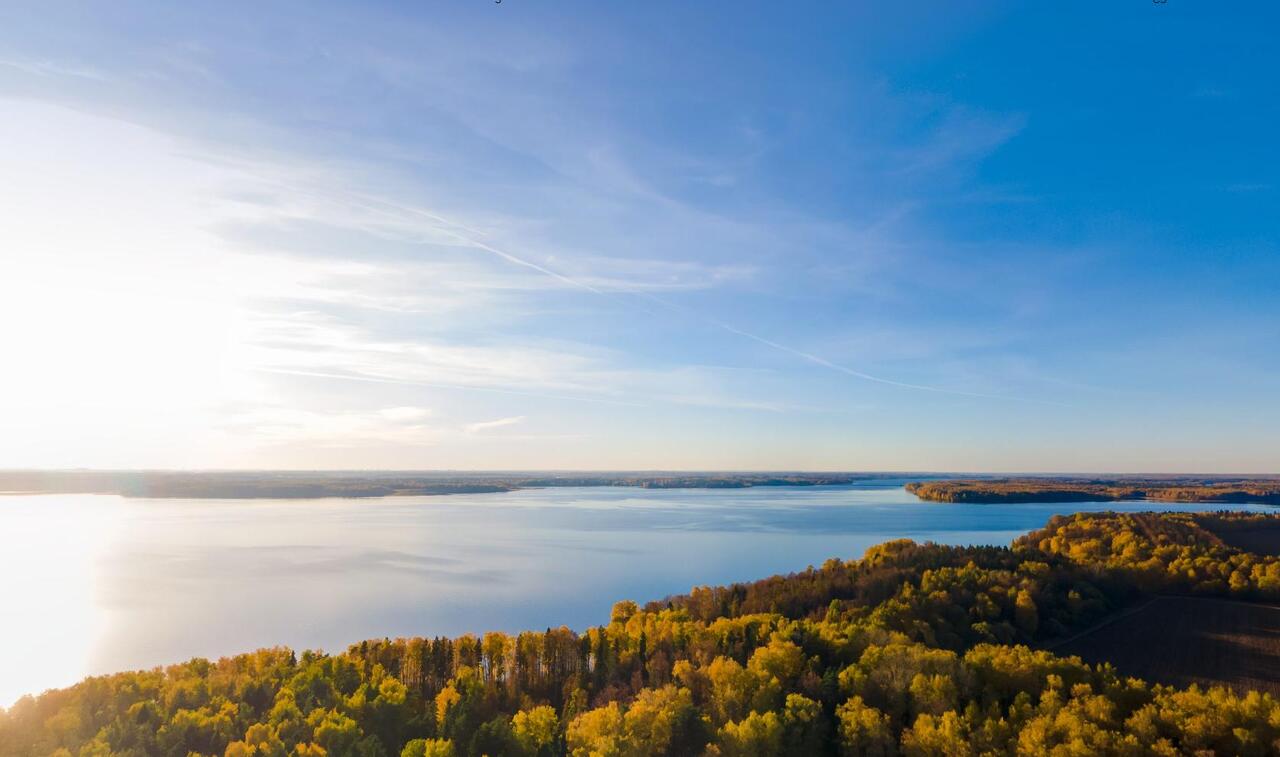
<point x="646" y="235"/>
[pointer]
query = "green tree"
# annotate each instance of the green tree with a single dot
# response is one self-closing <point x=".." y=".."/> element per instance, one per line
<point x="864" y="730"/>
<point x="428" y="748"/>
<point x="536" y="729"/>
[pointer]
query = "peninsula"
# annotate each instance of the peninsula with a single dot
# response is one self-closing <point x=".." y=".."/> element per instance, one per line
<point x="1255" y="490"/>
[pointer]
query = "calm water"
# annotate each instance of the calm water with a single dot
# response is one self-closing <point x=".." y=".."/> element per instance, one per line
<point x="95" y="584"/>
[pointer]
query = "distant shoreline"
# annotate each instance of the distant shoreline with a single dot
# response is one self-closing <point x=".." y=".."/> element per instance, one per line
<point x="316" y="485"/>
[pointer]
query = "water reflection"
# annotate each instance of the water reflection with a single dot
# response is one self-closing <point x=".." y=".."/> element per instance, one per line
<point x="97" y="584"/>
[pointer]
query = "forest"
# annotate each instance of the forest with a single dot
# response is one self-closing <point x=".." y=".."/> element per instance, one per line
<point x="1168" y="489"/>
<point x="912" y="649"/>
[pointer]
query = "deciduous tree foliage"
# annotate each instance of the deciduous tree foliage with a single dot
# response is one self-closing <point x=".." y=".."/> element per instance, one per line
<point x="912" y="650"/>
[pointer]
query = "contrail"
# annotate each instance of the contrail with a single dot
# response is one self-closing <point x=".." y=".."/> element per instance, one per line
<point x="868" y="377"/>
<point x="370" y="203"/>
<point x="816" y="360"/>
<point x="842" y="369"/>
<point x="471" y="242"/>
<point x="475" y="243"/>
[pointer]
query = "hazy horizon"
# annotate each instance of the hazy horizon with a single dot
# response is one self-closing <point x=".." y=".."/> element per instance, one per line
<point x="886" y="472"/>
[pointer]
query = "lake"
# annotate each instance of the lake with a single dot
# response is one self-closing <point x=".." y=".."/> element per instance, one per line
<point x="96" y="584"/>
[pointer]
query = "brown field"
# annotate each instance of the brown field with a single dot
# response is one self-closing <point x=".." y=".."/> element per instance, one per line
<point x="1259" y="536"/>
<point x="1186" y="640"/>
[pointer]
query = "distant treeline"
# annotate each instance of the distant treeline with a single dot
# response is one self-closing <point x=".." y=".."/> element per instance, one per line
<point x="915" y="649"/>
<point x="1234" y="491"/>
<point x="303" y="485"/>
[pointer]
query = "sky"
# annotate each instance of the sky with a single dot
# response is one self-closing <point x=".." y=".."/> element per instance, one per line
<point x="658" y="235"/>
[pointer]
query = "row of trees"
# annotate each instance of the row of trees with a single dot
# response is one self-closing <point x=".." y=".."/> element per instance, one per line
<point x="913" y="649"/>
<point x="1168" y="552"/>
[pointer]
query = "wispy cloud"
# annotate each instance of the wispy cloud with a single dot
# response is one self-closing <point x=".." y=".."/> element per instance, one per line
<point x="962" y="135"/>
<point x="291" y="426"/>
<point x="49" y="68"/>
<point x="482" y="426"/>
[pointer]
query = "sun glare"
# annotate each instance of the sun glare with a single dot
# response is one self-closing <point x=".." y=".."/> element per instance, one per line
<point x="50" y="611"/>
<point x="118" y="316"/>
